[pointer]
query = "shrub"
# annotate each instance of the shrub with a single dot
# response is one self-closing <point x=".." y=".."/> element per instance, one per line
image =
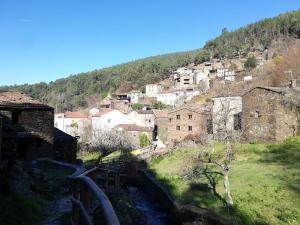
<point x="144" y="141"/>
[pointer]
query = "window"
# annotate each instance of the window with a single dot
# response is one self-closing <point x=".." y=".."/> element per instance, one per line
<point x="237" y="121"/>
<point x="257" y="114"/>
<point x="109" y="120"/>
<point x="190" y="128"/>
<point x="170" y="120"/>
<point x="178" y="117"/>
<point x="177" y="127"/>
<point x="15" y="117"/>
<point x="209" y="126"/>
<point x="190" y="117"/>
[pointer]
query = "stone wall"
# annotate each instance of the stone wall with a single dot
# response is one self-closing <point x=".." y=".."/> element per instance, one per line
<point x="28" y="132"/>
<point x="198" y="123"/>
<point x="162" y="128"/>
<point x="65" y="150"/>
<point x="265" y="118"/>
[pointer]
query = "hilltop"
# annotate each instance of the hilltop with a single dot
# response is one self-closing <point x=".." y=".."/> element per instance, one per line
<point x="80" y="90"/>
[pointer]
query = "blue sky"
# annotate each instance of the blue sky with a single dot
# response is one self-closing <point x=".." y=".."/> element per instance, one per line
<point x="43" y="40"/>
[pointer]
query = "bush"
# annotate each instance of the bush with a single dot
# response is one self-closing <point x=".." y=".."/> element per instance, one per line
<point x="144" y="141"/>
<point x="250" y="63"/>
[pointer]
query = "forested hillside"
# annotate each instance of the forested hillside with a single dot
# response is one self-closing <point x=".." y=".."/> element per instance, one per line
<point x="75" y="91"/>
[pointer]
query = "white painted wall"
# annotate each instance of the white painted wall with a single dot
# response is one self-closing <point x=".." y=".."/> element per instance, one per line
<point x="153" y="89"/>
<point x="224" y="108"/>
<point x="143" y="120"/>
<point x="109" y="120"/>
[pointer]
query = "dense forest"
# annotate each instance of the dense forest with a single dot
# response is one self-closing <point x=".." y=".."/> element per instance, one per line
<point x="257" y="36"/>
<point x="79" y="90"/>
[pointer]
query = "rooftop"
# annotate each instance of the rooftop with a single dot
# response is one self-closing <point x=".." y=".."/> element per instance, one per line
<point x="14" y="99"/>
<point x="72" y="115"/>
<point x="133" y="127"/>
<point x="62" y="136"/>
<point x="203" y="109"/>
<point x="160" y="113"/>
<point x="103" y="112"/>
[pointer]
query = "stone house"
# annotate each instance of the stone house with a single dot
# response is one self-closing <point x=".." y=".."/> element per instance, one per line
<point x="226" y="116"/>
<point x="27" y="127"/>
<point x="107" y="119"/>
<point x="72" y="123"/>
<point x="143" y="118"/>
<point x="135" y="96"/>
<point x="133" y="132"/>
<point x="120" y="105"/>
<point x="188" y="122"/>
<point x="268" y="115"/>
<point x="161" y="122"/>
<point x="153" y="89"/>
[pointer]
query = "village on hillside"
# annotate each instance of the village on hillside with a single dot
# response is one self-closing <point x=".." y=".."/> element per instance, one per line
<point x="259" y="113"/>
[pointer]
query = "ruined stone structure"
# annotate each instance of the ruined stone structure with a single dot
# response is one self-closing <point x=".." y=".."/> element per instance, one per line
<point x="133" y="132"/>
<point x="27" y="126"/>
<point x="188" y="122"/>
<point x="267" y="116"/>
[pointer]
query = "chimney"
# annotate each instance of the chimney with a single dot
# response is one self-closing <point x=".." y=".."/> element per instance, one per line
<point x="292" y="83"/>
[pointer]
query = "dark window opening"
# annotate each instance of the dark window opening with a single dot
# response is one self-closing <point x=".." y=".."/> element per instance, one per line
<point x="190" y="117"/>
<point x="178" y="117"/>
<point x="257" y="114"/>
<point x="237" y="123"/>
<point x="210" y="126"/>
<point x="177" y="127"/>
<point x="190" y="128"/>
<point x="15" y="117"/>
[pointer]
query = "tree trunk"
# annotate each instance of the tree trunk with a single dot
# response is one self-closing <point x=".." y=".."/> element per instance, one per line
<point x="227" y="188"/>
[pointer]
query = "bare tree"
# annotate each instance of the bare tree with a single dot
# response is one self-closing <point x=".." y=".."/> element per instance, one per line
<point x="227" y="129"/>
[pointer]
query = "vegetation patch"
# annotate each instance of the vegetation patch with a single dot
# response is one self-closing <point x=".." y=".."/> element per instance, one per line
<point x="264" y="179"/>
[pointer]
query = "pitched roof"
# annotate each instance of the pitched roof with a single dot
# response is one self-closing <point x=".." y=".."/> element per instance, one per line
<point x="144" y="111"/>
<point x="279" y="90"/>
<point x="74" y="115"/>
<point x="103" y="112"/>
<point x="160" y="113"/>
<point x="134" y="127"/>
<point x="16" y="99"/>
<point x="202" y="109"/>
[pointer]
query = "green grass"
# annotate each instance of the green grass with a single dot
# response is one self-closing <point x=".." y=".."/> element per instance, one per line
<point x="264" y="179"/>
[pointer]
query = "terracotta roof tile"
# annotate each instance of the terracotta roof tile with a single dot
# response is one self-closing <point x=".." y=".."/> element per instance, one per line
<point x="19" y="100"/>
<point x="102" y="112"/>
<point x="72" y="115"/>
<point x="134" y="127"/>
<point x="160" y="113"/>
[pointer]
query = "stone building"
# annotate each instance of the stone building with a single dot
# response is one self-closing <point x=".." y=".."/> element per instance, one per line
<point x="143" y="118"/>
<point x="268" y="113"/>
<point x="153" y="89"/>
<point x="161" y="122"/>
<point x="135" y="96"/>
<point x="133" y="132"/>
<point x="27" y="126"/>
<point x="188" y="122"/>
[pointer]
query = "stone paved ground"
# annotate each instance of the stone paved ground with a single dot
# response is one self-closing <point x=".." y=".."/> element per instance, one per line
<point x="59" y="208"/>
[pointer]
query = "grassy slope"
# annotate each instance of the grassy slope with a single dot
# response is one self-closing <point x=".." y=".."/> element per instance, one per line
<point x="265" y="181"/>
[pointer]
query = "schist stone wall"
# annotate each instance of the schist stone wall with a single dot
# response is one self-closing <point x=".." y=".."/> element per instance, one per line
<point x="184" y="122"/>
<point x="266" y="118"/>
<point x="29" y="131"/>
